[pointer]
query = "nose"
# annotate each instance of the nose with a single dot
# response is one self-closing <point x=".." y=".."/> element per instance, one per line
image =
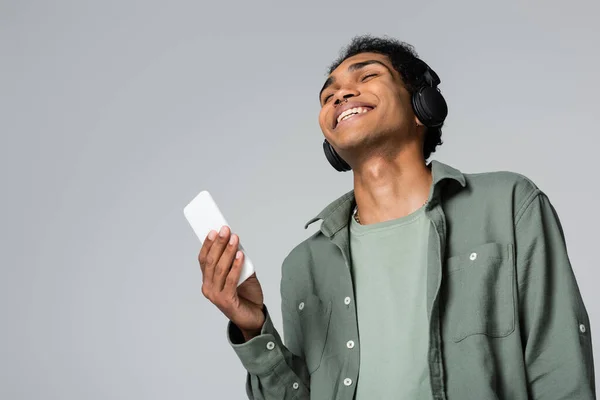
<point x="345" y="94"/>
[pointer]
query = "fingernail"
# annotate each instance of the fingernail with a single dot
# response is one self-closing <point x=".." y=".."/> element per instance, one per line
<point x="232" y="240"/>
<point x="222" y="232"/>
<point x="238" y="255"/>
<point x="211" y="235"/>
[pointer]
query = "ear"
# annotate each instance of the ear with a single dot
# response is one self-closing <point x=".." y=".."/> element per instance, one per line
<point x="418" y="122"/>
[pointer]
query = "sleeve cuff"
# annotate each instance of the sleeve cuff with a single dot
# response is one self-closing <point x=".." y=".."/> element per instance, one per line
<point x="261" y="354"/>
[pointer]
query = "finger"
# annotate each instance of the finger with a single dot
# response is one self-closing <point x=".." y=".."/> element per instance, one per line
<point x="206" y="245"/>
<point x="224" y="265"/>
<point x="214" y="254"/>
<point x="233" y="277"/>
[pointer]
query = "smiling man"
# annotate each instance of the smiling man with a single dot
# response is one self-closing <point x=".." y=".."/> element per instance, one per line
<point x="422" y="282"/>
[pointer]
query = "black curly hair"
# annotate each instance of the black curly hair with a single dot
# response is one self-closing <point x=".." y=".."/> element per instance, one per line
<point x="404" y="59"/>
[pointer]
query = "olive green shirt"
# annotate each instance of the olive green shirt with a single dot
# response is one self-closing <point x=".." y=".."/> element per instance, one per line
<point x="389" y="273"/>
<point x="505" y="316"/>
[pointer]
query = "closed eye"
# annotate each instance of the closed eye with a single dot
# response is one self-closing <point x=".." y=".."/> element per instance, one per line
<point x="364" y="78"/>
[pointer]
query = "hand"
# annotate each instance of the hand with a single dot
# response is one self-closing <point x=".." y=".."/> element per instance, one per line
<point x="221" y="265"/>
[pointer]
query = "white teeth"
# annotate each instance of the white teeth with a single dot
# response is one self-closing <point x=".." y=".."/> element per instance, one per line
<point x="352" y="111"/>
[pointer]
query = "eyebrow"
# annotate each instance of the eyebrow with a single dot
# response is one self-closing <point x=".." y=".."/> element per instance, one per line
<point x="353" y="67"/>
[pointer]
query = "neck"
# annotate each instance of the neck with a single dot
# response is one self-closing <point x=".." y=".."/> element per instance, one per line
<point x="388" y="189"/>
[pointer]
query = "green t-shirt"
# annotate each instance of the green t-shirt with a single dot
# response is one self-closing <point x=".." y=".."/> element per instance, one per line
<point x="389" y="273"/>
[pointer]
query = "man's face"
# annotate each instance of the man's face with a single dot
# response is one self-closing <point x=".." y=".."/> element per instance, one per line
<point x="378" y="106"/>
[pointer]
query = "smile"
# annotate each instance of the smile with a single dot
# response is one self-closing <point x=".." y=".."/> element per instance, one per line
<point x="352" y="113"/>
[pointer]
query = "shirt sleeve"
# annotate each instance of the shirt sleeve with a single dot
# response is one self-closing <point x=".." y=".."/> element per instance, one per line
<point x="554" y="322"/>
<point x="274" y="370"/>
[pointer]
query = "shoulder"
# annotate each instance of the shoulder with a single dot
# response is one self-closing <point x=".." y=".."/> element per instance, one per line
<point x="520" y="189"/>
<point x="302" y="253"/>
<point x="501" y="179"/>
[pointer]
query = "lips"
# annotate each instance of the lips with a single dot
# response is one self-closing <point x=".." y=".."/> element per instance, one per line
<point x="356" y="106"/>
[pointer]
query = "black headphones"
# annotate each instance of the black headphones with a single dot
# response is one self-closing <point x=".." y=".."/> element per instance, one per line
<point x="428" y="105"/>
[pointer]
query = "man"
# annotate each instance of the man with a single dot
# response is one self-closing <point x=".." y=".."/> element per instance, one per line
<point x="422" y="282"/>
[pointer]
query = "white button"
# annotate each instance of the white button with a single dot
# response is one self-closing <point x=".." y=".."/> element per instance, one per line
<point x="582" y="328"/>
<point x="347" y="300"/>
<point x="301" y="306"/>
<point x="270" y="345"/>
<point x="295" y="385"/>
<point x="473" y="256"/>
<point x="347" y="381"/>
<point x="350" y="344"/>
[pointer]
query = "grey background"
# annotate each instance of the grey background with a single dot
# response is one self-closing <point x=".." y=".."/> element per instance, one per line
<point x="114" y="114"/>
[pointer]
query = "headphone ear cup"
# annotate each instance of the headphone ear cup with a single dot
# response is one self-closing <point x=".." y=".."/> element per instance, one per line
<point x="334" y="158"/>
<point x="430" y="106"/>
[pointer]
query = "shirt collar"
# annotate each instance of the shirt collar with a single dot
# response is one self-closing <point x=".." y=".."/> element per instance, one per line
<point x="335" y="216"/>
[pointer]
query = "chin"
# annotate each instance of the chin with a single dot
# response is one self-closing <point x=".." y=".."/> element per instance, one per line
<point x="351" y="140"/>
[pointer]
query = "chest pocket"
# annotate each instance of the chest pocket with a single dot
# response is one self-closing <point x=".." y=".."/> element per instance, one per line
<point x="314" y="315"/>
<point x="478" y="294"/>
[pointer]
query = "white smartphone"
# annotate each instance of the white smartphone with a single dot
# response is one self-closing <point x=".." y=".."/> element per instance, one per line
<point x="204" y="215"/>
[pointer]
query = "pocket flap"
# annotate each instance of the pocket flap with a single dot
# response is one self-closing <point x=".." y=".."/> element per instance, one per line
<point x="488" y="251"/>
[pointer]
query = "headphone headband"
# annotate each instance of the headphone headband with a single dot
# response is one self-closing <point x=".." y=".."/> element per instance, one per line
<point x="430" y="77"/>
